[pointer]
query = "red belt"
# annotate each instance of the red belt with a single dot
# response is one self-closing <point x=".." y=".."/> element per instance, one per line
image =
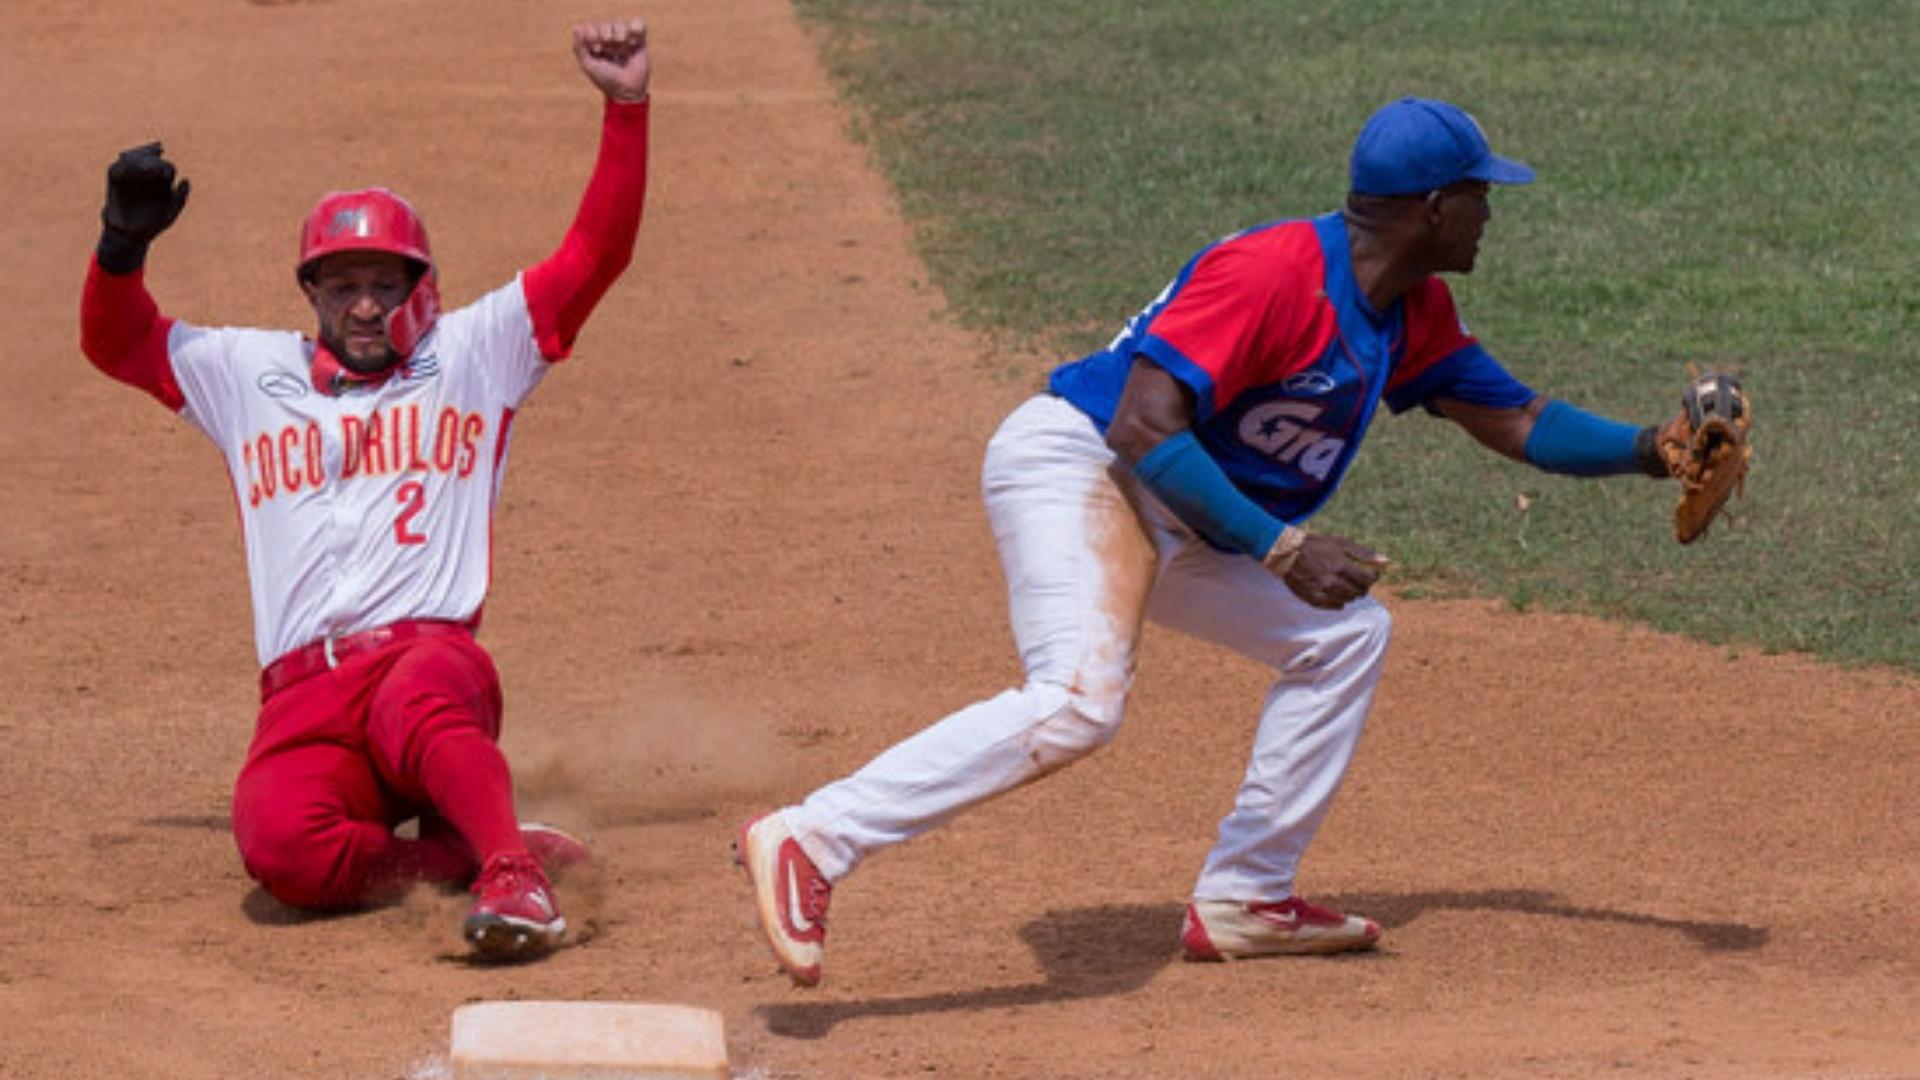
<point x="330" y="652"/>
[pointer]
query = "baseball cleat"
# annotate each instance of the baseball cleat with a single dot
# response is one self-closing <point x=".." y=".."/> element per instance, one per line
<point x="559" y="851"/>
<point x="790" y="896"/>
<point x="1231" y="930"/>
<point x="514" y="916"/>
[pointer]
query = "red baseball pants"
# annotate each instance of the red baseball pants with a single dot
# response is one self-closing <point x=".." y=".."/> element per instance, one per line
<point x="340" y="758"/>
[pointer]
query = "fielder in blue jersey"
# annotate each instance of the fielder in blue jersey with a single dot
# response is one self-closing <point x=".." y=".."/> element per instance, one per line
<point x="1171" y="476"/>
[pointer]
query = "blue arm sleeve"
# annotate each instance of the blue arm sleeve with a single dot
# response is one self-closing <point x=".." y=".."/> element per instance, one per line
<point x="1180" y="472"/>
<point x="1574" y="442"/>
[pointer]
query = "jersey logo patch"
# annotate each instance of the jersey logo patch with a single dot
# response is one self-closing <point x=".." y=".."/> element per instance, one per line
<point x="1309" y="384"/>
<point x="279" y="384"/>
<point x="1284" y="431"/>
<point x="421" y="367"/>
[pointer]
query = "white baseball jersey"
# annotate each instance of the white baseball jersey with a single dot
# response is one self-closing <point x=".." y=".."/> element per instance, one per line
<point x="375" y="505"/>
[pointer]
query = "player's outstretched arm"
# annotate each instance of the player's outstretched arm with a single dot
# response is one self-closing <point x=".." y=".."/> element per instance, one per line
<point x="563" y="290"/>
<point x="1557" y="437"/>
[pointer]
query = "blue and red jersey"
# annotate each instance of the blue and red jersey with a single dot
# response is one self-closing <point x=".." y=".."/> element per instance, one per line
<point x="1288" y="360"/>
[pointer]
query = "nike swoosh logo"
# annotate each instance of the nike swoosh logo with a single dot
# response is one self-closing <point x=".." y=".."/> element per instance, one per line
<point x="795" y="916"/>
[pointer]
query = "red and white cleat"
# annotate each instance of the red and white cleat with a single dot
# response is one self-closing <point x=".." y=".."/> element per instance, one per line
<point x="790" y="896"/>
<point x="513" y="916"/>
<point x="1231" y="930"/>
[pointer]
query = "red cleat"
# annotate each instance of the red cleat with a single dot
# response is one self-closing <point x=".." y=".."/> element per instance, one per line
<point x="514" y="916"/>
<point x="1230" y="930"/>
<point x="790" y="896"/>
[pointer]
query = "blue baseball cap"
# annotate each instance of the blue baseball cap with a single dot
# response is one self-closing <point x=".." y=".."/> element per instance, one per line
<point x="1417" y="145"/>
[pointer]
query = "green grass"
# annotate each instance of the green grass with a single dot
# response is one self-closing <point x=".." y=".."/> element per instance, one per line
<point x="1725" y="183"/>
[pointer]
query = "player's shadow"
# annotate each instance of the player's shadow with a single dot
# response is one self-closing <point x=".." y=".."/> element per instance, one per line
<point x="207" y="822"/>
<point x="1112" y="950"/>
<point x="1398" y="909"/>
<point x="1086" y="953"/>
<point x="261" y="909"/>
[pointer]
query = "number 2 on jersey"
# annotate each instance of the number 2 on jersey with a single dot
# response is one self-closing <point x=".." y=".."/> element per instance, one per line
<point x="412" y="498"/>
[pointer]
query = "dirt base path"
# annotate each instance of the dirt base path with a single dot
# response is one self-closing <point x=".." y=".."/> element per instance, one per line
<point x="741" y="551"/>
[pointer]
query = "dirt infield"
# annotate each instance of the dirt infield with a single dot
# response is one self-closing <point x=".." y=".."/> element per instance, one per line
<point x="740" y="551"/>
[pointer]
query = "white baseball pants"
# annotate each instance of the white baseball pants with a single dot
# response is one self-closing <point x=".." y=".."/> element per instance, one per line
<point x="1089" y="553"/>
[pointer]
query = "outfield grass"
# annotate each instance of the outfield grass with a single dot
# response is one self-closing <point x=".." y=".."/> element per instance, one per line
<point x="1724" y="183"/>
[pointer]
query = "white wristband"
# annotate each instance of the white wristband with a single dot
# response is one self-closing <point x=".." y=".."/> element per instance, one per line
<point x="1280" y="558"/>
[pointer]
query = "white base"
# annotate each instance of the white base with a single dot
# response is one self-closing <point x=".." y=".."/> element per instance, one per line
<point x="587" y="1040"/>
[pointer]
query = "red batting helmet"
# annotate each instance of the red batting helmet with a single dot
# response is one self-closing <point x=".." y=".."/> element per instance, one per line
<point x="375" y="219"/>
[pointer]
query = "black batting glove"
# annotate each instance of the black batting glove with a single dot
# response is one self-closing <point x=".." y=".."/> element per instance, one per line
<point x="142" y="201"/>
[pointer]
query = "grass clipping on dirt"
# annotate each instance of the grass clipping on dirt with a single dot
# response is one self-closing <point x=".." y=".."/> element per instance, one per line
<point x="1724" y="184"/>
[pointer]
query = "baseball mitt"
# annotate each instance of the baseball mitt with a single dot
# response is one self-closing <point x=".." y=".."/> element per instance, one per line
<point x="1708" y="448"/>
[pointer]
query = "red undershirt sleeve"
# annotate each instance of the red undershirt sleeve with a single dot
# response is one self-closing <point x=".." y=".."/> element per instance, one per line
<point x="123" y="333"/>
<point x="562" y="291"/>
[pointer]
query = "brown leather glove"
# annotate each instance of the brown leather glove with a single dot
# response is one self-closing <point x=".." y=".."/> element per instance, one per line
<point x="1708" y="448"/>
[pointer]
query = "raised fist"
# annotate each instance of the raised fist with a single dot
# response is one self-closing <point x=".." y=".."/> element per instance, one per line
<point x="142" y="198"/>
<point x="614" y="57"/>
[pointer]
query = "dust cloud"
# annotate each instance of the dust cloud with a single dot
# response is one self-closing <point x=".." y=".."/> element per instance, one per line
<point x="652" y="754"/>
